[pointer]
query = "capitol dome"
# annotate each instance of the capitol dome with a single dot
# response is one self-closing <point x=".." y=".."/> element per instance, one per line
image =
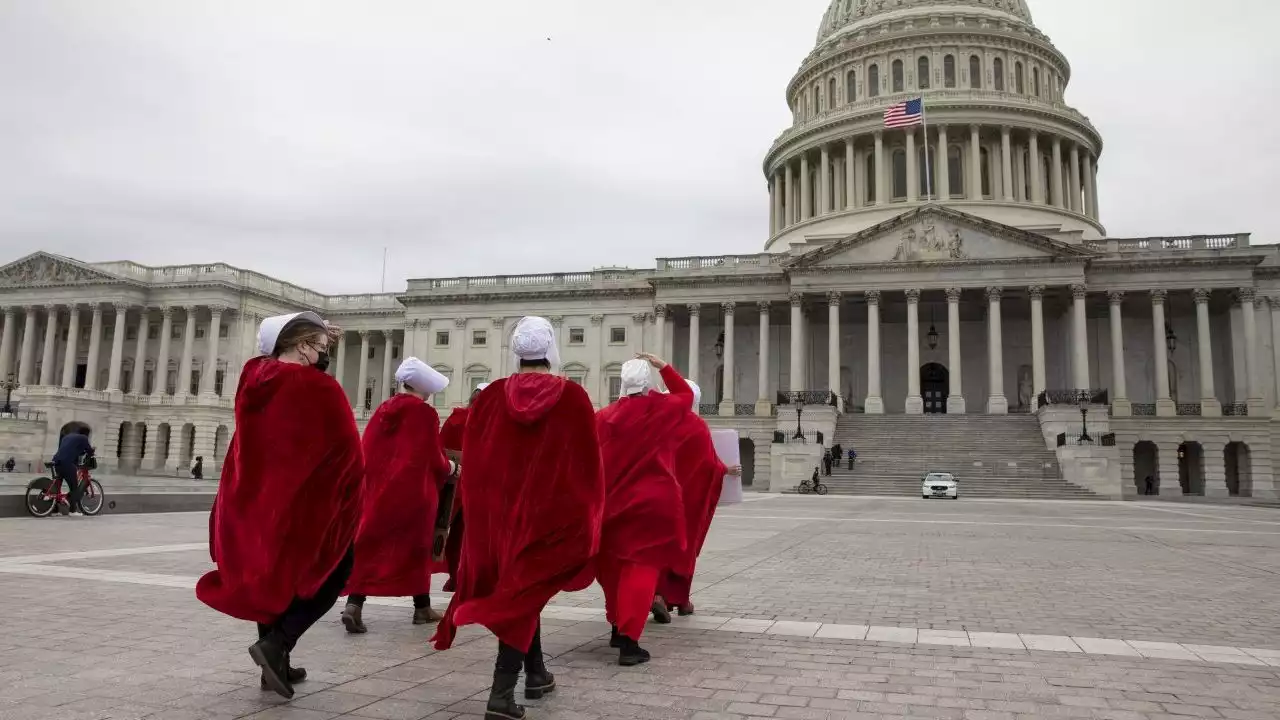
<point x="1001" y="142"/>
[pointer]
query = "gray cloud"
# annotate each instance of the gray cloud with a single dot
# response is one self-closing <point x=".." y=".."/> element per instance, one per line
<point x="300" y="138"/>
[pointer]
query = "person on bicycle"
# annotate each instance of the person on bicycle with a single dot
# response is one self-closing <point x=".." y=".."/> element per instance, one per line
<point x="73" y="446"/>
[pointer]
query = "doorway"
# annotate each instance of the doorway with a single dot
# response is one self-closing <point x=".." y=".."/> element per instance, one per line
<point x="935" y="387"/>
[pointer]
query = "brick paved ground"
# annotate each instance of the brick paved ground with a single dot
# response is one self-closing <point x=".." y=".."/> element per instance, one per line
<point x="808" y="608"/>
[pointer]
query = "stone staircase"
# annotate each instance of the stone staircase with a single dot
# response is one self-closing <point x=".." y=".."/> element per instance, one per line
<point x="992" y="456"/>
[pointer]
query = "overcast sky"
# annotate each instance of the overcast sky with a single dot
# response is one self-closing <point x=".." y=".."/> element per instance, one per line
<point x="300" y="137"/>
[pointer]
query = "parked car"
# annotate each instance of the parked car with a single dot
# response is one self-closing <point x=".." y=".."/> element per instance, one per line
<point x="939" y="485"/>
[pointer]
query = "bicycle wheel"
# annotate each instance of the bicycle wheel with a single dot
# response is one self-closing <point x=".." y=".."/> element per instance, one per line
<point x="93" y="498"/>
<point x="39" y="504"/>
<point x="821" y="489"/>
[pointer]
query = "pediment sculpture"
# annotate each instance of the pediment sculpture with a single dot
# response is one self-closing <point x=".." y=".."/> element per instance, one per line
<point x="926" y="241"/>
<point x="44" y="270"/>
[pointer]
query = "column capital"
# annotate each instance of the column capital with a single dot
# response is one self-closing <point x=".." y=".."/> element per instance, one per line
<point x="1201" y="295"/>
<point x="364" y="335"/>
<point x="639" y="318"/>
<point x="1036" y="292"/>
<point x="32" y="308"/>
<point x="216" y="309"/>
<point x="1078" y="292"/>
<point x="166" y="311"/>
<point x="763" y="306"/>
<point x="51" y="308"/>
<point x="597" y="320"/>
<point x="913" y="296"/>
<point x="460" y="323"/>
<point x="1057" y="141"/>
<point x="1246" y="294"/>
<point x="878" y="134"/>
<point x="728" y="307"/>
<point x="498" y="322"/>
<point x="953" y="295"/>
<point x="120" y="307"/>
<point x="872" y="297"/>
<point x="994" y="293"/>
<point x="97" y="309"/>
<point x="1158" y="296"/>
<point x="974" y="127"/>
<point x="1005" y="129"/>
<point x="796" y="299"/>
<point x="694" y="309"/>
<point x="1033" y="134"/>
<point x="1274" y="300"/>
<point x="660" y="311"/>
<point x="9" y="311"/>
<point x="190" y="309"/>
<point x="1115" y="297"/>
<point x="556" y="320"/>
<point x="834" y="298"/>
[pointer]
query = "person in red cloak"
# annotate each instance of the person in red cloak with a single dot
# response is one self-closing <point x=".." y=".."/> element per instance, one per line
<point x="405" y="467"/>
<point x="701" y="475"/>
<point x="644" y="528"/>
<point x="288" y="502"/>
<point x="533" y="524"/>
<point x="451" y="437"/>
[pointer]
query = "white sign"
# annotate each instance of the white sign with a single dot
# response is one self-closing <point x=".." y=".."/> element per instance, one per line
<point x="726" y="444"/>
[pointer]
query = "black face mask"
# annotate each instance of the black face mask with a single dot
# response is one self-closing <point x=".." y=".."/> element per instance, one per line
<point x="322" y="361"/>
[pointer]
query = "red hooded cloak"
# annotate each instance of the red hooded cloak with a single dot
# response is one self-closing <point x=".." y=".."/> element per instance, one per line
<point x="405" y="467"/>
<point x="533" y="520"/>
<point x="289" y="499"/>
<point x="701" y="475"/>
<point x="454" y="425"/>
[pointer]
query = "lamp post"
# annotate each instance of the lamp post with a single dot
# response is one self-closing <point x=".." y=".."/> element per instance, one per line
<point x="932" y="335"/>
<point x="1084" y="417"/>
<point x="9" y="384"/>
<point x="799" y="433"/>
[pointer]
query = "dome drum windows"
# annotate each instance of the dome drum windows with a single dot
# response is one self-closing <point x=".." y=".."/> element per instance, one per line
<point x="1019" y="86"/>
<point x="873" y="80"/>
<point x="898" y="76"/>
<point x="975" y="72"/>
<point x="997" y="73"/>
<point x="851" y="86"/>
<point x="949" y="71"/>
<point x="922" y="72"/>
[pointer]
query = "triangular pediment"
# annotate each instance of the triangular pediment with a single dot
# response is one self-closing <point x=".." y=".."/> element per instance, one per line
<point x="42" y="268"/>
<point x="937" y="234"/>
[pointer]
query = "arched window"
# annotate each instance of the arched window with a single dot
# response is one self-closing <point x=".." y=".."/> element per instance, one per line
<point x="899" y="174"/>
<point x="955" y="170"/>
<point x="975" y="72"/>
<point x="898" y="83"/>
<point x="984" y="160"/>
<point x="817" y="98"/>
<point x="1035" y="81"/>
<point x="873" y="81"/>
<point x="831" y="92"/>
<point x="997" y="73"/>
<point x="851" y="87"/>
<point x="871" y="176"/>
<point x="922" y="73"/>
<point x="949" y="71"/>
<point x="1018" y="85"/>
<point x="804" y="105"/>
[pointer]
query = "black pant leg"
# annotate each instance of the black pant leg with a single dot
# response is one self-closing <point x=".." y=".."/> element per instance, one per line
<point x="533" y="660"/>
<point x="510" y="660"/>
<point x="302" y="613"/>
<point x="357" y="599"/>
<point x="421" y="601"/>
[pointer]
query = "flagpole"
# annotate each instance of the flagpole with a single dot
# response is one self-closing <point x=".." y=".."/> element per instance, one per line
<point x="928" y="167"/>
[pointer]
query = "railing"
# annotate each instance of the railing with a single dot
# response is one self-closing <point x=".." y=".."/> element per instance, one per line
<point x="708" y="409"/>
<point x="1144" y="409"/>
<point x="595" y="278"/>
<point x="23" y="415"/>
<point x="726" y="262"/>
<point x="806" y="397"/>
<point x="385" y="301"/>
<point x="1105" y="440"/>
<point x="1230" y="241"/>
<point x="1189" y="408"/>
<point x="807" y="437"/>
<point x="1235" y="410"/>
<point x="216" y="272"/>
<point x="1073" y="397"/>
<point x="744" y="409"/>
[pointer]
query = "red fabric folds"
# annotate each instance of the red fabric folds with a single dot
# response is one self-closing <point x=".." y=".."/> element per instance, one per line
<point x="644" y="514"/>
<point x="701" y="475"/>
<point x="454" y="425"/>
<point x="289" y="499"/>
<point x="533" y="520"/>
<point x="451" y="437"/>
<point x="405" y="467"/>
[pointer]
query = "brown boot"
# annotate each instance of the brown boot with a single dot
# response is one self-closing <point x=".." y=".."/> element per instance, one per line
<point x="426" y="616"/>
<point x="352" y="621"/>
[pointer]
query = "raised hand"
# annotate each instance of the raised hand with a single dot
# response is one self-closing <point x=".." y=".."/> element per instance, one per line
<point x="657" y="362"/>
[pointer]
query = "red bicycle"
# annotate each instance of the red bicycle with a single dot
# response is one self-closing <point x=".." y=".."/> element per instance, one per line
<point x="44" y="494"/>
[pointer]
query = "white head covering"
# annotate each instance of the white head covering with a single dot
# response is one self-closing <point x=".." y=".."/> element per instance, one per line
<point x="697" y="394"/>
<point x="270" y="329"/>
<point x="420" y="376"/>
<point x="481" y="386"/>
<point x="636" y="376"/>
<point x="534" y="339"/>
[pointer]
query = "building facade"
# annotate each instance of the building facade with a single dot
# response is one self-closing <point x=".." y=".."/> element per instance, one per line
<point x="962" y="270"/>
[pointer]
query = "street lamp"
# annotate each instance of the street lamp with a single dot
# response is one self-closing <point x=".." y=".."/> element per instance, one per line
<point x="1084" y="417"/>
<point x="932" y="335"/>
<point x="720" y="346"/>
<point x="9" y="384"/>
<point x="1170" y="339"/>
<point x="799" y="433"/>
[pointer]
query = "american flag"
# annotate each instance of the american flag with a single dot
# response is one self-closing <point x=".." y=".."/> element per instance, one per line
<point x="905" y="114"/>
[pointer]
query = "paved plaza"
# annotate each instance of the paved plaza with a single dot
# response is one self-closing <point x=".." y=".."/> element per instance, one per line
<point x="808" y="609"/>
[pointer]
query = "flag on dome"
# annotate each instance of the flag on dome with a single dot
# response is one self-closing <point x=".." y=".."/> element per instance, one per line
<point x="905" y="114"/>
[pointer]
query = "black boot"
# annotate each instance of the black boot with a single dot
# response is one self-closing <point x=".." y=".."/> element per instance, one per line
<point x="352" y="619"/>
<point x="630" y="653"/>
<point x="272" y="656"/>
<point x="295" y="675"/>
<point x="502" y="697"/>
<point x="538" y="681"/>
<point x="661" y="614"/>
<point x="615" y="640"/>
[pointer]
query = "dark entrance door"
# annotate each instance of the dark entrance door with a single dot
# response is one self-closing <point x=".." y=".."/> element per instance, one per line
<point x="935" y="387"/>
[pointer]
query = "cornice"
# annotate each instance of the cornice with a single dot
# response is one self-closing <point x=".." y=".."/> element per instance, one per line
<point x="481" y="298"/>
<point x="934" y="265"/>
<point x="1156" y="262"/>
<point x="778" y="278"/>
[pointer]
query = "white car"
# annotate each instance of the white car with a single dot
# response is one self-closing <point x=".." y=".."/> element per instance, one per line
<point x="939" y="485"/>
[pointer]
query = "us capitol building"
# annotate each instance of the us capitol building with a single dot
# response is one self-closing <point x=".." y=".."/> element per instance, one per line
<point x="990" y="290"/>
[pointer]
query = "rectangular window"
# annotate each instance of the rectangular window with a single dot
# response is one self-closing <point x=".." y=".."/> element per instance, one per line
<point x="479" y="338"/>
<point x="84" y="333"/>
<point x="148" y="382"/>
<point x="368" y="399"/>
<point x="615" y="387"/>
<point x="153" y="332"/>
<point x="442" y="338"/>
<point x="372" y="350"/>
<point x="195" y="382"/>
<point x="175" y="332"/>
<point x="218" y="379"/>
<point x="578" y="379"/>
<point x="577" y="336"/>
<point x="474" y="381"/>
<point x="395" y="352"/>
<point x="224" y="331"/>
<point x="171" y="383"/>
<point x="131" y="333"/>
<point x="617" y="335"/>
<point x="126" y="380"/>
<point x="199" y="332"/>
<point x="438" y="400"/>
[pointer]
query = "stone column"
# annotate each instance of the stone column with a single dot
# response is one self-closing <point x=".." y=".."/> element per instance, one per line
<point x="1006" y="163"/>
<point x="850" y="176"/>
<point x="1033" y="166"/>
<point x="1074" y="159"/>
<point x="975" y="164"/>
<point x="997" y="403"/>
<point x="139" y="385"/>
<point x="363" y="377"/>
<point x="1079" y="338"/>
<point x="1215" y="472"/>
<point x="388" y="340"/>
<point x="1209" y="404"/>
<point x="6" y="342"/>
<point x="71" y="356"/>
<point x="955" y="401"/>
<point x="50" y="344"/>
<point x="774" y="194"/>
<point x="95" y="349"/>
<point x="882" y="194"/>
<point x="1165" y="406"/>
<point x="1092" y="177"/>
<point x="1254" y="393"/>
<point x="660" y="327"/>
<point x="695" y="340"/>
<point x="914" y="404"/>
<point x="341" y="360"/>
<point x="728" y="390"/>
<point x="764" y="404"/>
<point x="1038" y="381"/>
<point x="1055" y="177"/>
<point x="27" y="359"/>
<point x="806" y="188"/>
<point x="824" y="183"/>
<point x="797" y="354"/>
<point x="1090" y="208"/>
<point x="209" y="378"/>
<point x="1120" y="405"/>
<point x="162" y="360"/>
<point x="1169" y="485"/>
<point x="188" y="353"/>
<point x="833" y="346"/>
<point x="913" y="176"/>
<point x="942" y="165"/>
<point x="789" y="206"/>
<point x="117" y="347"/>
<point x="874" y="404"/>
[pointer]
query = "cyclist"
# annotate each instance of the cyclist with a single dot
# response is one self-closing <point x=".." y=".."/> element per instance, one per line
<point x="73" y="446"/>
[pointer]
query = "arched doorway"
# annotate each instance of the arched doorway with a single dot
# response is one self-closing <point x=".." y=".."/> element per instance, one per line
<point x="1146" y="464"/>
<point x="747" y="457"/>
<point x="1191" y="468"/>
<point x="1239" y="466"/>
<point x="935" y="387"/>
